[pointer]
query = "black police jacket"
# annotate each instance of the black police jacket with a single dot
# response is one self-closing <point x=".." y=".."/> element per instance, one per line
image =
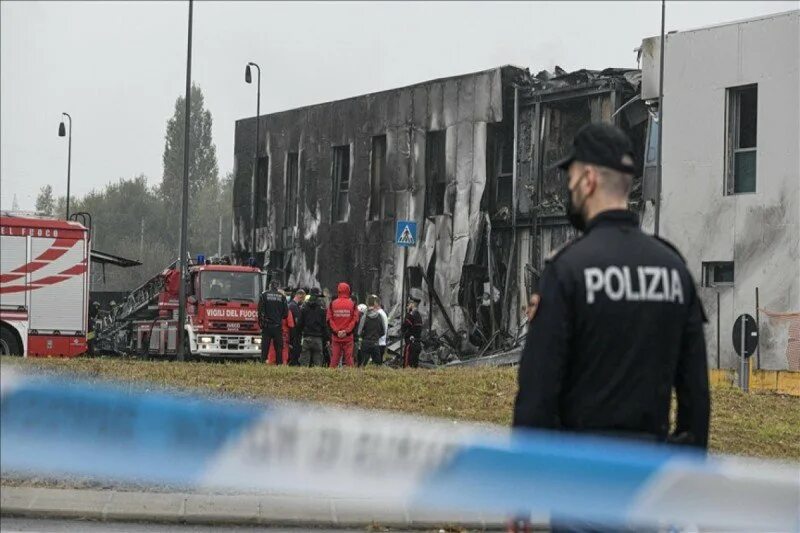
<point x="272" y="308"/>
<point x="619" y="325"/>
<point x="312" y="321"/>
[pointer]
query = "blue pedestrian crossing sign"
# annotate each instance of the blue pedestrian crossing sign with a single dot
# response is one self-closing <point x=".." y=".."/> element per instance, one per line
<point x="405" y="233"/>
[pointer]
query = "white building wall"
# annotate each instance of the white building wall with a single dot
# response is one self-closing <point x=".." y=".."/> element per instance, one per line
<point x="760" y="232"/>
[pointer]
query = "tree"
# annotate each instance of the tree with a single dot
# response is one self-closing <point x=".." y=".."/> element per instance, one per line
<point x="203" y="168"/>
<point x="45" y="203"/>
<point x="210" y="205"/>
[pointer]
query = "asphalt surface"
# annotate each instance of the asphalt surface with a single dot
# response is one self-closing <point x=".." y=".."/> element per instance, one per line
<point x="30" y="525"/>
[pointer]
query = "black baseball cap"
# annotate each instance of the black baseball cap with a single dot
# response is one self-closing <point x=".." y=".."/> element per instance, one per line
<point x="602" y="144"/>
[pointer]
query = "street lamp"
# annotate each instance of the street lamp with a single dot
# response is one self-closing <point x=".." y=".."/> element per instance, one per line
<point x="253" y="183"/>
<point x="62" y="133"/>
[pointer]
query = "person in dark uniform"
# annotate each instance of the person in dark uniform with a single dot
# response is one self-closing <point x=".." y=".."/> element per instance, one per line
<point x="619" y="324"/>
<point x="272" y="309"/>
<point x="411" y="329"/>
<point x="294" y="335"/>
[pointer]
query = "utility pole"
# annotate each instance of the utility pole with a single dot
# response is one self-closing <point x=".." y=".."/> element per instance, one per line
<point x="661" y="55"/>
<point x="182" y="263"/>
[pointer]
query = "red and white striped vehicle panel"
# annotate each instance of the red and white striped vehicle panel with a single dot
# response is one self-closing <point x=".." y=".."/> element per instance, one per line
<point x="44" y="282"/>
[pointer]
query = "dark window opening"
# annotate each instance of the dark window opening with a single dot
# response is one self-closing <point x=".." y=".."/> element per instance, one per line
<point x="500" y="165"/>
<point x="378" y="183"/>
<point x="415" y="277"/>
<point x="291" y="193"/>
<point x="262" y="190"/>
<point x="341" y="183"/>
<point x="740" y="139"/>
<point x="435" y="175"/>
<point x="717" y="273"/>
<point x="650" y="172"/>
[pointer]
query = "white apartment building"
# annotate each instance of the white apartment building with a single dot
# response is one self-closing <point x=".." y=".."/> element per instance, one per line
<point x="731" y="175"/>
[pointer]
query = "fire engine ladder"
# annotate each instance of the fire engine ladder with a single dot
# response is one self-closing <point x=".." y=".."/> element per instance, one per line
<point x="137" y="301"/>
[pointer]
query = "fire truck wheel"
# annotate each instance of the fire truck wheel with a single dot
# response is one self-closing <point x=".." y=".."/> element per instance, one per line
<point x="9" y="344"/>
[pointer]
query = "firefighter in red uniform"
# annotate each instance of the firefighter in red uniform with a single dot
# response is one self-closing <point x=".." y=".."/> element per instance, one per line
<point x="342" y="318"/>
<point x="287" y="324"/>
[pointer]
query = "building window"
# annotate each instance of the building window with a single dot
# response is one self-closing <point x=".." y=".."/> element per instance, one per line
<point x="740" y="140"/>
<point x="378" y="186"/>
<point x="717" y="273"/>
<point x="262" y="191"/>
<point x="435" y="176"/>
<point x="505" y="171"/>
<point x="341" y="183"/>
<point x="291" y="193"/>
<point x="650" y="171"/>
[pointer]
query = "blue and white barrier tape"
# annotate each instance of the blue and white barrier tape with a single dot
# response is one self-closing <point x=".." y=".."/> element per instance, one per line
<point x="53" y="426"/>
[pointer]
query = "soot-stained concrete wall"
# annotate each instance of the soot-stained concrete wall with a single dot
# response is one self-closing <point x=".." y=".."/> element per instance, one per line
<point x="320" y="252"/>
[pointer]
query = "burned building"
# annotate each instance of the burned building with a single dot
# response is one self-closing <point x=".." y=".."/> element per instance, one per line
<point x="456" y="155"/>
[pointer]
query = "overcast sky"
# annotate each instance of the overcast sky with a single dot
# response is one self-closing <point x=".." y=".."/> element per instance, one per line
<point x="117" y="67"/>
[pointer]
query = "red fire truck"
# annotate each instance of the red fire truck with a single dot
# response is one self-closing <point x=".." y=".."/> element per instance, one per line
<point x="44" y="286"/>
<point x="221" y="313"/>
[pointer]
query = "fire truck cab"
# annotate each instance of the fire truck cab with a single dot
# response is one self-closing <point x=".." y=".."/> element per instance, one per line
<point x="221" y="313"/>
<point x="222" y="310"/>
<point x="44" y="286"/>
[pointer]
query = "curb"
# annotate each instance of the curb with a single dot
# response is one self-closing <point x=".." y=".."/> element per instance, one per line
<point x="219" y="509"/>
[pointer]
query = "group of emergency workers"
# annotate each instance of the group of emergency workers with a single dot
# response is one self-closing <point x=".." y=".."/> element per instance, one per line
<point x="308" y="328"/>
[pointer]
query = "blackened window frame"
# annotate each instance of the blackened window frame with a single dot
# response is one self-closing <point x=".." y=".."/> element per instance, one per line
<point x="291" y="190"/>
<point x="340" y="178"/>
<point x="378" y="181"/>
<point x="435" y="172"/>
<point x="262" y="188"/>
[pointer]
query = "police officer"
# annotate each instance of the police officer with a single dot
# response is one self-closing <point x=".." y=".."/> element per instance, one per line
<point x="619" y="323"/>
<point x="272" y="309"/>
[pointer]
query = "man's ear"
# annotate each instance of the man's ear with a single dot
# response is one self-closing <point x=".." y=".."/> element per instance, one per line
<point x="592" y="179"/>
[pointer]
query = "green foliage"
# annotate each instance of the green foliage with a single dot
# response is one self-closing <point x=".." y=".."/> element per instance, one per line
<point x="45" y="203"/>
<point x="203" y="170"/>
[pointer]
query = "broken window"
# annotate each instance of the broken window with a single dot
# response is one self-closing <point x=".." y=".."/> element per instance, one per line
<point x="341" y="183"/>
<point x="435" y="177"/>
<point x="741" y="139"/>
<point x="505" y="171"/>
<point x="717" y="273"/>
<point x="377" y="182"/>
<point x="649" y="183"/>
<point x="290" y="215"/>
<point x="262" y="190"/>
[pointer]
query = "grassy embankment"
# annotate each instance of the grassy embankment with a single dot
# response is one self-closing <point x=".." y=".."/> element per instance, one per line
<point x="765" y="425"/>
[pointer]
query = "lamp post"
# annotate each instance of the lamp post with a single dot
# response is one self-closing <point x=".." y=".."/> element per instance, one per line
<point x="253" y="181"/>
<point x="62" y="133"/>
<point x="182" y="264"/>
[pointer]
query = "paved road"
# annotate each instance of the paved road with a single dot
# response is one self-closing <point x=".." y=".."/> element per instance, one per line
<point x="31" y="525"/>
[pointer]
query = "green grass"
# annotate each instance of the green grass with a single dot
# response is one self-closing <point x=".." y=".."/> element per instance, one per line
<point x="756" y="424"/>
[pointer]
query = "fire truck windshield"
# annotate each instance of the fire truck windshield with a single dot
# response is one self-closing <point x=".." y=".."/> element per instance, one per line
<point x="244" y="286"/>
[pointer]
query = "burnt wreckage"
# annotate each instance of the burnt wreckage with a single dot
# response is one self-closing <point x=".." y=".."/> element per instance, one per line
<point x="333" y="178"/>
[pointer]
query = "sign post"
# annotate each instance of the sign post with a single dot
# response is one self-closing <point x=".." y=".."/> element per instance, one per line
<point x="405" y="235"/>
<point x="745" y="341"/>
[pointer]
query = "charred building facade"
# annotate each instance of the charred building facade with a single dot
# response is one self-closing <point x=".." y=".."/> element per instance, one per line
<point x="467" y="157"/>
